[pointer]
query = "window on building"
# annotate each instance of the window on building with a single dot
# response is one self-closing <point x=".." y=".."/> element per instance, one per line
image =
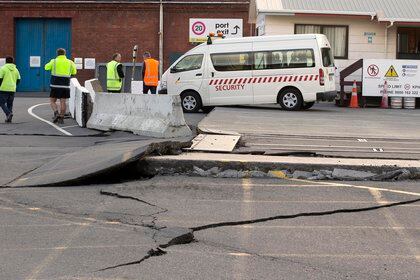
<point x="231" y="61"/>
<point x="284" y="59"/>
<point x="337" y="35"/>
<point x="188" y="63"/>
<point x="408" y="43"/>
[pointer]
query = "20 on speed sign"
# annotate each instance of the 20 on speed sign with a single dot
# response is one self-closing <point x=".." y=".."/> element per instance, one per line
<point x="201" y="27"/>
<point x="402" y="77"/>
<point x="198" y="28"/>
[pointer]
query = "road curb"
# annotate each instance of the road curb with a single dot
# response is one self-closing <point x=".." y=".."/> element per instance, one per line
<point x="346" y="169"/>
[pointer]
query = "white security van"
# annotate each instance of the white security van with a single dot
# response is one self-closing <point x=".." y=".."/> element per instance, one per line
<point x="292" y="70"/>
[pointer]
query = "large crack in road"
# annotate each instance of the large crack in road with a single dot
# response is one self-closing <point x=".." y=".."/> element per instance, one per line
<point x="178" y="236"/>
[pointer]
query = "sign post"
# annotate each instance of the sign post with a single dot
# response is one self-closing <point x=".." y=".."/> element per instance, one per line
<point x="201" y="27"/>
<point x="402" y="77"/>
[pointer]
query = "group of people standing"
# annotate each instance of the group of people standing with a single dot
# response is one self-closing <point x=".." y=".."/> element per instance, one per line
<point x="115" y="74"/>
<point x="62" y="69"/>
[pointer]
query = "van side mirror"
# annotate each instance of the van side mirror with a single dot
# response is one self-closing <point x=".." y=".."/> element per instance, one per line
<point x="173" y="70"/>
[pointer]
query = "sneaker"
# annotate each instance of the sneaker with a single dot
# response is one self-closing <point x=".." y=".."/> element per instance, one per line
<point x="56" y="118"/>
<point x="60" y="120"/>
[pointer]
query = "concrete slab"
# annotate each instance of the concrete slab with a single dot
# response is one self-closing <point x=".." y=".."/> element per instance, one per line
<point x="88" y="162"/>
<point x="214" y="143"/>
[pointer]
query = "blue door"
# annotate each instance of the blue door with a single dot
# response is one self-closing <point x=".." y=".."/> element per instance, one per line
<point x="36" y="43"/>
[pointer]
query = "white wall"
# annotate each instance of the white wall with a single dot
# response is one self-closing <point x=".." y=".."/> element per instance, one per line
<point x="358" y="42"/>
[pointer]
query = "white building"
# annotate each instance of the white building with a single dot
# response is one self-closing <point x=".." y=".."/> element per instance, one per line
<point x="356" y="29"/>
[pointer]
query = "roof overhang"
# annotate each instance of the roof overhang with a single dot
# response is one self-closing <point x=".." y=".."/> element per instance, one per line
<point x="294" y="12"/>
<point x="372" y="15"/>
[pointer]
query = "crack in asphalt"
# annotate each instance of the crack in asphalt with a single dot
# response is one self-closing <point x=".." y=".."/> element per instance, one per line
<point x="127" y="197"/>
<point x="152" y="225"/>
<point x="186" y="239"/>
<point x="304" y="214"/>
<point x="150" y="253"/>
<point x="7" y="185"/>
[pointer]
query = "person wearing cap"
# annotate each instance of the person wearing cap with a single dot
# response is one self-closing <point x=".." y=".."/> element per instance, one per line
<point x="150" y="73"/>
<point x="62" y="69"/>
<point x="9" y="79"/>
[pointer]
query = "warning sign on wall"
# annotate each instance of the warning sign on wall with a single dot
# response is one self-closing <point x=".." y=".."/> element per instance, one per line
<point x="391" y="73"/>
<point x="402" y="76"/>
<point x="201" y="27"/>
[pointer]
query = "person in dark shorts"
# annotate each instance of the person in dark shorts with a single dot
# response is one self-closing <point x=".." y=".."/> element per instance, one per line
<point x="9" y="78"/>
<point x="150" y="73"/>
<point x="62" y="69"/>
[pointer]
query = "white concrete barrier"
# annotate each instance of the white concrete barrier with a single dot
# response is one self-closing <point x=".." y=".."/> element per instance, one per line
<point x="73" y="84"/>
<point x="137" y="87"/>
<point x="93" y="86"/>
<point x="78" y="102"/>
<point x="158" y="116"/>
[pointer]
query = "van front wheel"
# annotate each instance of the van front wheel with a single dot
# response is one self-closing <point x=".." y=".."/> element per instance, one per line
<point x="291" y="100"/>
<point x="191" y="102"/>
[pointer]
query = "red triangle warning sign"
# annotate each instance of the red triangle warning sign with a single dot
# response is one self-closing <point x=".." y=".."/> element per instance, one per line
<point x="392" y="73"/>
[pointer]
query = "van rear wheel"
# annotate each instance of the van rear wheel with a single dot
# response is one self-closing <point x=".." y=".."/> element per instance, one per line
<point x="191" y="102"/>
<point x="291" y="99"/>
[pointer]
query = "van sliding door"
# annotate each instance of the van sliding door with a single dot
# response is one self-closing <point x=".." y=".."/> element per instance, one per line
<point x="230" y="72"/>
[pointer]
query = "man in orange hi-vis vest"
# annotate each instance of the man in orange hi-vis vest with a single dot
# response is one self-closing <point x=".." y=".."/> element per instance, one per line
<point x="150" y="73"/>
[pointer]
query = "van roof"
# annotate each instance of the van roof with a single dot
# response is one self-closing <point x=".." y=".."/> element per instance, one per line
<point x="269" y="38"/>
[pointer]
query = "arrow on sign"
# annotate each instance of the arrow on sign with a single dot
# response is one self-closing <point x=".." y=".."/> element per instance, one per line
<point x="236" y="30"/>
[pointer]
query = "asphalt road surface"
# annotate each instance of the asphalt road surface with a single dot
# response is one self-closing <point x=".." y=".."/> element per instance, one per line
<point x="324" y="130"/>
<point x="79" y="233"/>
<point x="30" y="141"/>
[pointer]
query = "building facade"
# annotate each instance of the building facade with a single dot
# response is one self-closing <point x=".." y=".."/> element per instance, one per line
<point x="356" y="29"/>
<point x="93" y="30"/>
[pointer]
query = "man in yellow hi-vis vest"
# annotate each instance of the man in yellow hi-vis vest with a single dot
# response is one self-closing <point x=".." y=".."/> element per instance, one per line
<point x="9" y="78"/>
<point x="62" y="69"/>
<point x="150" y="73"/>
<point x="114" y="74"/>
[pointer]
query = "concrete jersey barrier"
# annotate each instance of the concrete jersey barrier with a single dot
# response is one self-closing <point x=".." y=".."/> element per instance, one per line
<point x="78" y="102"/>
<point x="157" y="116"/>
<point x="93" y="86"/>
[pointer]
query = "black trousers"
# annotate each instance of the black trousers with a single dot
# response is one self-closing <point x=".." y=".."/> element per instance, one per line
<point x="147" y="88"/>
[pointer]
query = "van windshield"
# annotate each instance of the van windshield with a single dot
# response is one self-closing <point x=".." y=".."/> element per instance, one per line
<point x="327" y="57"/>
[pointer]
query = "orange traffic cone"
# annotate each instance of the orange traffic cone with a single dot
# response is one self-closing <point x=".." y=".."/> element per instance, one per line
<point x="384" y="102"/>
<point x="354" y="101"/>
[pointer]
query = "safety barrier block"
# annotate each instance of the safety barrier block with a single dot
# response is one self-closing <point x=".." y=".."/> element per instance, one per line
<point x="78" y="102"/>
<point x="157" y="116"/>
<point x="93" y="86"/>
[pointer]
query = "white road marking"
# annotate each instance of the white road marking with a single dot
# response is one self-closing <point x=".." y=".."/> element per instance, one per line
<point x="70" y="126"/>
<point x="30" y="112"/>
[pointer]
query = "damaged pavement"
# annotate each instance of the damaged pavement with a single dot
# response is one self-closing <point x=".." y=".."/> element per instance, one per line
<point x="206" y="228"/>
<point x="114" y="206"/>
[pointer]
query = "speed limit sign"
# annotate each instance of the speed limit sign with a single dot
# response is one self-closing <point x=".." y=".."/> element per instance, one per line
<point x="198" y="28"/>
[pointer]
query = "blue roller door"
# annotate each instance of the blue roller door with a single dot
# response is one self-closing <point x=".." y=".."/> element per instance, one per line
<point x="39" y="38"/>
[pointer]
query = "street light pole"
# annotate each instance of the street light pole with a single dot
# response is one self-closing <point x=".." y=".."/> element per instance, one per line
<point x="160" y="39"/>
